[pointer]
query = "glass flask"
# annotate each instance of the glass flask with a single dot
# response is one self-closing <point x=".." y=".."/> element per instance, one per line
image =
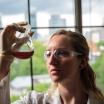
<point x="23" y="48"/>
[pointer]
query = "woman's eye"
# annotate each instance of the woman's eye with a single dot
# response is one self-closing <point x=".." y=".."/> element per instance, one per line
<point x="63" y="53"/>
<point x="47" y="54"/>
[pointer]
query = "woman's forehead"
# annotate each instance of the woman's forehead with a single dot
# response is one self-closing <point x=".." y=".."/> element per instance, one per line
<point x="59" y="41"/>
<point x="60" y="38"/>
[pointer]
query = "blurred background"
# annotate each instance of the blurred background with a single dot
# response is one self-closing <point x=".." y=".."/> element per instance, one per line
<point x="45" y="17"/>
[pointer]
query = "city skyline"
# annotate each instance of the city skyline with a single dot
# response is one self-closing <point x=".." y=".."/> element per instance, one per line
<point x="43" y="19"/>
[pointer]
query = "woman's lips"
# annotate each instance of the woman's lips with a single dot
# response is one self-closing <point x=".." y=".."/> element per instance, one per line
<point x="54" y="71"/>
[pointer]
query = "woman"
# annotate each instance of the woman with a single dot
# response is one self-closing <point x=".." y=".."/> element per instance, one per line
<point x="67" y="63"/>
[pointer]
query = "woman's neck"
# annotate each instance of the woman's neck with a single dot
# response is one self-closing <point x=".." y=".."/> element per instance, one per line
<point x="71" y="92"/>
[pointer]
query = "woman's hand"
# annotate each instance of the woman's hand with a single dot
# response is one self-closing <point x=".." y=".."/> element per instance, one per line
<point x="7" y="38"/>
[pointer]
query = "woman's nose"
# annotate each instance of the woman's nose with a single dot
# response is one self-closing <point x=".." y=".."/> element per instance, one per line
<point x="53" y="60"/>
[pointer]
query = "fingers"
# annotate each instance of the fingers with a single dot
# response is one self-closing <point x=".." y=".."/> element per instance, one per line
<point x="20" y="42"/>
<point x="19" y="27"/>
<point x="22" y="23"/>
<point x="22" y="29"/>
<point x="31" y="33"/>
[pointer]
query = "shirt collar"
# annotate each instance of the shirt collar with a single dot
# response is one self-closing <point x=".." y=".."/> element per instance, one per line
<point x="55" y="98"/>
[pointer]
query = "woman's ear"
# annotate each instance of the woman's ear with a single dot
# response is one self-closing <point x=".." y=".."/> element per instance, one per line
<point x="83" y="63"/>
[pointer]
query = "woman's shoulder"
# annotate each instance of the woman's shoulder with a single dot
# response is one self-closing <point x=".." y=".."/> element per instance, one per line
<point x="32" y="97"/>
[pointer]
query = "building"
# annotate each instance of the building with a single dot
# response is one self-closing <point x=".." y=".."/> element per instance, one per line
<point x="56" y="21"/>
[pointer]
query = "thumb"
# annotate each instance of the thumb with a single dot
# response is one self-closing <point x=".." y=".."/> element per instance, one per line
<point x="20" y="42"/>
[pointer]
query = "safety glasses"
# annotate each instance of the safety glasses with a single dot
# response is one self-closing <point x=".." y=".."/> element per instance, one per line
<point x="60" y="53"/>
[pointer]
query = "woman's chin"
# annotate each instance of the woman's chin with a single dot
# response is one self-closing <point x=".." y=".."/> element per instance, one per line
<point x="55" y="79"/>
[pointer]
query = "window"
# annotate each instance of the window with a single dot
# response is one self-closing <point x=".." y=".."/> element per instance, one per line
<point x="45" y="17"/>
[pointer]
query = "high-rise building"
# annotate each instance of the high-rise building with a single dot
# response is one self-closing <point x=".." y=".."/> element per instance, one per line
<point x="56" y="21"/>
<point x="33" y="19"/>
<point x="33" y="22"/>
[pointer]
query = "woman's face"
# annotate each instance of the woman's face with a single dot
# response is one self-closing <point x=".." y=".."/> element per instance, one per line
<point x="61" y="64"/>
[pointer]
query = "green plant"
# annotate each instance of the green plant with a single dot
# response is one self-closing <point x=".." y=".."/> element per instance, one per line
<point x="14" y="98"/>
<point x="99" y="70"/>
<point x="41" y="87"/>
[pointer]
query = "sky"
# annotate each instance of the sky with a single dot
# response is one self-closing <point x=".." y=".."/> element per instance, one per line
<point x="64" y="7"/>
<point x="51" y="6"/>
<point x="8" y="8"/>
<point x="16" y="6"/>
